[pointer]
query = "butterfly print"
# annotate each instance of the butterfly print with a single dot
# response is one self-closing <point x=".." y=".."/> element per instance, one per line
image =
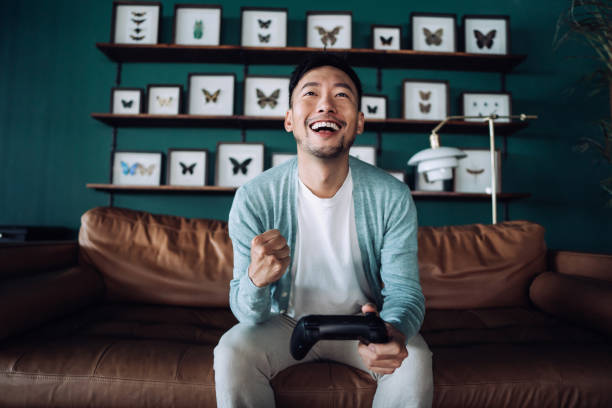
<point x="434" y="38"/>
<point x="138" y="22"/>
<point x="164" y="101"/>
<point x="424" y="95"/>
<point x="240" y="166"/>
<point x="475" y="172"/>
<point x="127" y="104"/>
<point x="187" y="169"/>
<point x="372" y="109"/>
<point x="264" y="24"/>
<point x="127" y="169"/>
<point x="264" y="38"/>
<point x="264" y="100"/>
<point x="139" y="13"/>
<point x="386" y="41"/>
<point x="198" y="29"/>
<point x="211" y="96"/>
<point x="425" y="107"/>
<point x="137" y="38"/>
<point x="328" y="35"/>
<point x="146" y="171"/>
<point x="483" y="40"/>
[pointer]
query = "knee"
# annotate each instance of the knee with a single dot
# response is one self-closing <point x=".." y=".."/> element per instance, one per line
<point x="235" y="353"/>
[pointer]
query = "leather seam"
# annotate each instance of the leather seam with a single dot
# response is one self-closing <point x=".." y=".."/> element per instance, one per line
<point x="99" y="378"/>
<point x="102" y="356"/>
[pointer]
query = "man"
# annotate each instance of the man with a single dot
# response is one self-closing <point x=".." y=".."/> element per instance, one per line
<point x="323" y="234"/>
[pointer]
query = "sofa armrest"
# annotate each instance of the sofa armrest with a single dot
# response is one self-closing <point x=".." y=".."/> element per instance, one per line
<point x="24" y="258"/>
<point x="29" y="301"/>
<point x="588" y="265"/>
<point x="583" y="301"/>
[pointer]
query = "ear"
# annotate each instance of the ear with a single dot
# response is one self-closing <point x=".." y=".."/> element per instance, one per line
<point x="289" y="121"/>
<point x="360" y="122"/>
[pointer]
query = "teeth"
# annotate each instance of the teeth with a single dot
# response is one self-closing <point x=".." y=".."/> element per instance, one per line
<point x="331" y="125"/>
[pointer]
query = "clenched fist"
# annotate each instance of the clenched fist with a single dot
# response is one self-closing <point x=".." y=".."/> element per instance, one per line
<point x="270" y="258"/>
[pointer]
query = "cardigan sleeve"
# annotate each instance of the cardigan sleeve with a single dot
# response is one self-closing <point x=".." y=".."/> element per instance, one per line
<point x="249" y="303"/>
<point x="403" y="300"/>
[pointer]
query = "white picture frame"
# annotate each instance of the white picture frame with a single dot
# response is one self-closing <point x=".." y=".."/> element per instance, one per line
<point x="237" y="163"/>
<point x="263" y="27"/>
<point x="422" y="184"/>
<point x="484" y="34"/>
<point x="136" y="22"/>
<point x="425" y="99"/>
<point x="266" y="95"/>
<point x="398" y="174"/>
<point x="374" y="106"/>
<point x="211" y="94"/>
<point x="280" y="158"/>
<point x="482" y="104"/>
<point x="364" y="153"/>
<point x="136" y="168"/>
<point x="126" y="101"/>
<point x="386" y="37"/>
<point x="329" y="29"/>
<point x="473" y="172"/>
<point x="187" y="167"/>
<point x="434" y="32"/>
<point x="197" y="24"/>
<point x="164" y="99"/>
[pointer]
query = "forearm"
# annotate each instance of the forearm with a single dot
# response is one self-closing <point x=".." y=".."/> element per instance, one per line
<point x="249" y="303"/>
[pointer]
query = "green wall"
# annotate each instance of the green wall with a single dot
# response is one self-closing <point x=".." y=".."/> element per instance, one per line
<point x="52" y="77"/>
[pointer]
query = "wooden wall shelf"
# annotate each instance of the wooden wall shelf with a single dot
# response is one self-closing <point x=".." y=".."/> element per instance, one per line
<point x="145" y="120"/>
<point x="418" y="195"/>
<point x="360" y="57"/>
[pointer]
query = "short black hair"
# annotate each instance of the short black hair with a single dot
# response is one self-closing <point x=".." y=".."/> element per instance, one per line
<point x="317" y="60"/>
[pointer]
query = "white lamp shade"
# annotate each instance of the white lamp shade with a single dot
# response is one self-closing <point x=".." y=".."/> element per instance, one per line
<point x="437" y="164"/>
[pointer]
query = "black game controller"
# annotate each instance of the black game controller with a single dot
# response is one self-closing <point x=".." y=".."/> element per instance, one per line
<point x="312" y="328"/>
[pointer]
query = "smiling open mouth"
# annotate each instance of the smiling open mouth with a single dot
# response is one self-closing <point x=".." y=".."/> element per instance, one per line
<point x="325" y="126"/>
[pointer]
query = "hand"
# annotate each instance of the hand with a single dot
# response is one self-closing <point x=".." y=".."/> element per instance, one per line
<point x="270" y="257"/>
<point x="383" y="358"/>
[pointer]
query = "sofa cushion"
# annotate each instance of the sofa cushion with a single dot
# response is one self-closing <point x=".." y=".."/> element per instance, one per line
<point x="159" y="259"/>
<point x="480" y="266"/>
<point x="584" y="301"/>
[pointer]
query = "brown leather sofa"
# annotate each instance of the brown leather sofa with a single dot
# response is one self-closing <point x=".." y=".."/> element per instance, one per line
<point x="129" y="316"/>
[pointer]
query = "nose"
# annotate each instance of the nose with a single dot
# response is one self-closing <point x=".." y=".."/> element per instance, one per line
<point x="326" y="104"/>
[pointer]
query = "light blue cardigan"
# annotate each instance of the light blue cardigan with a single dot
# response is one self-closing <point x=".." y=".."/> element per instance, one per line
<point x="386" y="221"/>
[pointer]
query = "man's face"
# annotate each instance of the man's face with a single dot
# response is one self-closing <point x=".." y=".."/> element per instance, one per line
<point x="324" y="116"/>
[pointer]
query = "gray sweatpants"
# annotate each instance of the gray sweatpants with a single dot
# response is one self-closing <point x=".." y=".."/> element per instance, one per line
<point x="248" y="356"/>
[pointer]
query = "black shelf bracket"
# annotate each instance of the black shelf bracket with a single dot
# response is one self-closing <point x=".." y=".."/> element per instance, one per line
<point x="379" y="79"/>
<point x="378" y="144"/>
<point x="118" y="75"/>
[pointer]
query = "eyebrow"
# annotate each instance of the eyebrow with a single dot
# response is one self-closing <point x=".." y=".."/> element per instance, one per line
<point x="339" y="84"/>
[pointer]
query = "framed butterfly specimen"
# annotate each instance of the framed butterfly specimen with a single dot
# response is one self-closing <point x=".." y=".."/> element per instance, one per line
<point x="197" y="24"/>
<point x="434" y="32"/>
<point x="266" y="95"/>
<point x="473" y="173"/>
<point x="374" y="106"/>
<point x="237" y="163"/>
<point x="126" y="101"/>
<point x="329" y="29"/>
<point x="164" y="99"/>
<point x="386" y="37"/>
<point x="211" y="94"/>
<point x="280" y="158"/>
<point x="425" y="99"/>
<point x="364" y="153"/>
<point x="263" y="27"/>
<point x="137" y="168"/>
<point x="486" y="34"/>
<point x="187" y="167"/>
<point x="136" y="22"/>
<point x="482" y="104"/>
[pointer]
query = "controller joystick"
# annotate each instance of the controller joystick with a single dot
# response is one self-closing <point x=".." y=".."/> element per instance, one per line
<point x="312" y="328"/>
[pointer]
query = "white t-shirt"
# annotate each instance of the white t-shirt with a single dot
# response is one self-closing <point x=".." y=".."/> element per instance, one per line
<point x="328" y="276"/>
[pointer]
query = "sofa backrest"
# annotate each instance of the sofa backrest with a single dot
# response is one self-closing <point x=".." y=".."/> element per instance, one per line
<point x="165" y="259"/>
<point x="480" y="266"/>
<point x="159" y="259"/>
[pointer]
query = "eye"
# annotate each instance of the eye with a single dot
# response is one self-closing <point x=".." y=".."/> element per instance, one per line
<point x="308" y="93"/>
<point x="342" y="94"/>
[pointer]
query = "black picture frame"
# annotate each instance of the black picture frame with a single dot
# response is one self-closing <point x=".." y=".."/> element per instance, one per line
<point x="134" y="169"/>
<point x="226" y="110"/>
<point x="150" y="94"/>
<point x="116" y="89"/>
<point x="433" y="45"/>
<point x="328" y="36"/>
<point x="219" y="173"/>
<point x="424" y="116"/>
<point x="263" y="30"/>
<point x="381" y="45"/>
<point x="374" y="115"/>
<point x="282" y="101"/>
<point x="170" y="167"/>
<point x="117" y="4"/>
<point x="465" y="111"/>
<point x="468" y="39"/>
<point x="175" y="26"/>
